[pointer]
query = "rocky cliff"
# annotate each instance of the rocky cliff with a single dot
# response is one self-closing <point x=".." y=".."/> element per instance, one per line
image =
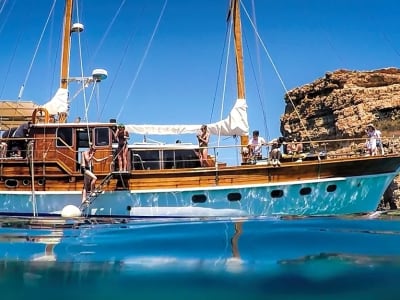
<point x="341" y="104"/>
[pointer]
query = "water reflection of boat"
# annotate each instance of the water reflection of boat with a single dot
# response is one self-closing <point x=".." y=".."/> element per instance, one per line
<point x="92" y="240"/>
<point x="166" y="180"/>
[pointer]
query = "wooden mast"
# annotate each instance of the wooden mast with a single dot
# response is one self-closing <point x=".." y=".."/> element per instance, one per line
<point x="66" y="46"/>
<point x="66" y="49"/>
<point x="237" y="27"/>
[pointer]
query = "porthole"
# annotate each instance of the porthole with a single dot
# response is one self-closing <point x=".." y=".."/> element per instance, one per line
<point x="199" y="198"/>
<point x="234" y="196"/>
<point x="277" y="194"/>
<point x="40" y="181"/>
<point x="331" y="188"/>
<point x="305" y="191"/>
<point x="26" y="182"/>
<point x="11" y="183"/>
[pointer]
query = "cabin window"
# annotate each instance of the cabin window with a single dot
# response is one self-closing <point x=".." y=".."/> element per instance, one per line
<point x="146" y="160"/>
<point x="64" y="137"/>
<point x="180" y="158"/>
<point x="102" y="136"/>
<point x="82" y="138"/>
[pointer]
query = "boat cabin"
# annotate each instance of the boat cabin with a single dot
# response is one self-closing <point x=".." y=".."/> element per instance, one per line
<point x="60" y="145"/>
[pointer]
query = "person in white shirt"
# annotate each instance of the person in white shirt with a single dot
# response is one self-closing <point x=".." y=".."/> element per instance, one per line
<point x="374" y="140"/>
<point x="255" y="145"/>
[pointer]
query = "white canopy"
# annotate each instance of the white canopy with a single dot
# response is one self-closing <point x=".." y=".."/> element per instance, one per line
<point x="235" y="124"/>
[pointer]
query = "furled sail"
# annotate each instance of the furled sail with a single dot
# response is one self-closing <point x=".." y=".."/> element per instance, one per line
<point x="59" y="103"/>
<point x="235" y="124"/>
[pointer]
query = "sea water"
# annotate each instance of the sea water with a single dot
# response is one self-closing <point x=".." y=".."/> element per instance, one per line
<point x="260" y="258"/>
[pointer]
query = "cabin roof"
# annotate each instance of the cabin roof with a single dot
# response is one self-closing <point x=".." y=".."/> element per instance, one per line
<point x="15" y="113"/>
<point x="74" y="125"/>
<point x="160" y="146"/>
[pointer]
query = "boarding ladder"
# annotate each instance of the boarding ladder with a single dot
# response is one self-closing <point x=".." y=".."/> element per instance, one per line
<point x="99" y="189"/>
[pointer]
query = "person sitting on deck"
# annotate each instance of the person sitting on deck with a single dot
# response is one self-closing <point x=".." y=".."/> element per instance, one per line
<point x="275" y="153"/>
<point x="293" y="147"/>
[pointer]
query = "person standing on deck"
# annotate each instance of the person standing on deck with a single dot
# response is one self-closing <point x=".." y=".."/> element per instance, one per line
<point x="374" y="140"/>
<point x="3" y="148"/>
<point x="122" y="136"/>
<point x="255" y="145"/>
<point x="203" y="137"/>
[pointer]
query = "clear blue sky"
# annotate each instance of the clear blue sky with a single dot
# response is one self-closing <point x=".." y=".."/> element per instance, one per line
<point x="177" y="80"/>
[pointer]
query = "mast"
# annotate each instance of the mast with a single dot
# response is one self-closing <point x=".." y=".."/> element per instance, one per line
<point x="237" y="28"/>
<point x="66" y="44"/>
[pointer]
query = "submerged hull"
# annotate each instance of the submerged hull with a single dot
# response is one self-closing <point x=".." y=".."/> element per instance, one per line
<point x="306" y="188"/>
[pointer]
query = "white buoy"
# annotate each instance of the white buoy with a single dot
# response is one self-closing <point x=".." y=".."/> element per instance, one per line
<point x="70" y="211"/>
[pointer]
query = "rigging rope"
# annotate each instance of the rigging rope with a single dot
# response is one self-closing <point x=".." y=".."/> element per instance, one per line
<point x="227" y="35"/>
<point x="8" y="15"/>
<point x="36" y="51"/>
<point x="121" y="63"/>
<point x="86" y="103"/>
<point x="225" y="78"/>
<point x="143" y="58"/>
<point x="260" y="87"/>
<point x="276" y="70"/>
<point x="103" y="38"/>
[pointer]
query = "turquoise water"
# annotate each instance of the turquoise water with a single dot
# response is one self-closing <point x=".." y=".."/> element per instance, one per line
<point x="267" y="258"/>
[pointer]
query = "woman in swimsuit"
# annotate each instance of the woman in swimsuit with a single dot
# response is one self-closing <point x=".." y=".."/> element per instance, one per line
<point x="122" y="137"/>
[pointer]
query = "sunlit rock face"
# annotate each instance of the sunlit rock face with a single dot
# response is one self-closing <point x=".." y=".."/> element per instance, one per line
<point x="341" y="104"/>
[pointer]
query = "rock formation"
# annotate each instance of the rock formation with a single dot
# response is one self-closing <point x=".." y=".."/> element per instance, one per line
<point x="341" y="104"/>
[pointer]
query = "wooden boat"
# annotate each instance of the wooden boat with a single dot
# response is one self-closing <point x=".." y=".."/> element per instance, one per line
<point x="166" y="180"/>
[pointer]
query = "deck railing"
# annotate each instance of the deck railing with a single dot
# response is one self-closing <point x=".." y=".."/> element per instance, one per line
<point x="220" y="155"/>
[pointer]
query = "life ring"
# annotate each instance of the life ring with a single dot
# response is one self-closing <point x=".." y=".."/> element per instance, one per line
<point x="43" y="114"/>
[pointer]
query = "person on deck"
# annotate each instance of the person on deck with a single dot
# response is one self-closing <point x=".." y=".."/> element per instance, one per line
<point x="20" y="142"/>
<point x="203" y="137"/>
<point x="6" y="139"/>
<point x="255" y="145"/>
<point x="122" y="136"/>
<point x="3" y="149"/>
<point x="294" y="147"/>
<point x="374" y="140"/>
<point x="275" y="153"/>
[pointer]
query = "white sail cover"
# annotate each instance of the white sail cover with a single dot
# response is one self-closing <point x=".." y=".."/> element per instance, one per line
<point x="235" y="124"/>
<point x="59" y="102"/>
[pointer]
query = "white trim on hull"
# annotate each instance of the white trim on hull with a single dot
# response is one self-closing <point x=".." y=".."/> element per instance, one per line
<point x="360" y="194"/>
